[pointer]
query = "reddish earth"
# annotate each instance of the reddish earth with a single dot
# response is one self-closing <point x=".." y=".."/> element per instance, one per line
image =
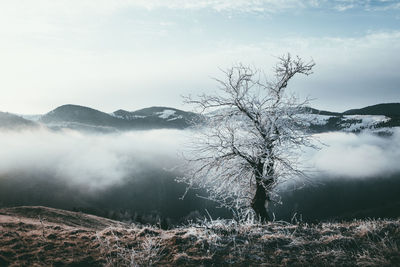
<point x="40" y="236"/>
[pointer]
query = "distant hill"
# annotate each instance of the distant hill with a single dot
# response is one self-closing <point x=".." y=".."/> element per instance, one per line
<point x="321" y="112"/>
<point x="81" y="114"/>
<point x="84" y="118"/>
<point x="387" y="109"/>
<point x="379" y="117"/>
<point x="159" y="117"/>
<point x="12" y="121"/>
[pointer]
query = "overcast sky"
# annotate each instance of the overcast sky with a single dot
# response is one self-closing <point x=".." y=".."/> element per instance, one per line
<point x="132" y="54"/>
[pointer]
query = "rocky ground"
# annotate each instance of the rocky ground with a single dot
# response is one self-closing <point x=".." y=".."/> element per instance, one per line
<point x="40" y="236"/>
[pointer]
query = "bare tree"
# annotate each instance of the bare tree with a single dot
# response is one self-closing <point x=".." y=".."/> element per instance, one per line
<point x="252" y="133"/>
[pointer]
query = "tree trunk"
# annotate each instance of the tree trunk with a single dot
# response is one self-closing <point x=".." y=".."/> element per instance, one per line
<point x="259" y="202"/>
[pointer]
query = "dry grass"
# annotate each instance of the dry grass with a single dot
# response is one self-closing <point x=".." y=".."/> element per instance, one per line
<point x="29" y="242"/>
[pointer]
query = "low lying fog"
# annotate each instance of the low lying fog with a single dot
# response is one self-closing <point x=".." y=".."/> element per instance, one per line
<point x="357" y="155"/>
<point x="90" y="160"/>
<point x="134" y="170"/>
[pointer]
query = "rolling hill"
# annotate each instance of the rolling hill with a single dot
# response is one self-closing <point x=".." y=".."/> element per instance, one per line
<point x="379" y="118"/>
<point x="159" y="117"/>
<point x="84" y="118"/>
<point x="14" y="122"/>
<point x="387" y="109"/>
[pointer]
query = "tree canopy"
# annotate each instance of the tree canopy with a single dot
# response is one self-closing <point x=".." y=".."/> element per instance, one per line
<point x="249" y="142"/>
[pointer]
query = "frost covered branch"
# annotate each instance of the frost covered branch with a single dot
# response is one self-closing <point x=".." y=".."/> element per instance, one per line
<point x="251" y="138"/>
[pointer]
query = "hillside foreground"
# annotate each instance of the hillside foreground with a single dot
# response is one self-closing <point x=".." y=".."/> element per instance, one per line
<point x="40" y="236"/>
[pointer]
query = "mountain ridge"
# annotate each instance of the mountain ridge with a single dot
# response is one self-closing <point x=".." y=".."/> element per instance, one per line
<point x="76" y="116"/>
<point x="386" y="109"/>
<point x="384" y="115"/>
<point x="14" y="122"/>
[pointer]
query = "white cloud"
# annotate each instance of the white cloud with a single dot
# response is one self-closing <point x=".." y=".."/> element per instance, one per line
<point x="362" y="69"/>
<point x="261" y="5"/>
<point x="97" y="53"/>
<point x="222" y="5"/>
<point x="78" y="7"/>
<point x="73" y="8"/>
<point x="357" y="67"/>
<point x="389" y="6"/>
<point x="344" y="7"/>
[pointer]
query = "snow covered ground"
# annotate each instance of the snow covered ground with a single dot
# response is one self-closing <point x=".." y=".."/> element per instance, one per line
<point x="350" y="123"/>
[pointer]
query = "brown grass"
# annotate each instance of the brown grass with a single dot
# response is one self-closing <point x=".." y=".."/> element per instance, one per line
<point x="38" y="236"/>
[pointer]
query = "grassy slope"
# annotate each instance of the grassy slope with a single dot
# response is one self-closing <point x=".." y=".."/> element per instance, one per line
<point x="43" y="236"/>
